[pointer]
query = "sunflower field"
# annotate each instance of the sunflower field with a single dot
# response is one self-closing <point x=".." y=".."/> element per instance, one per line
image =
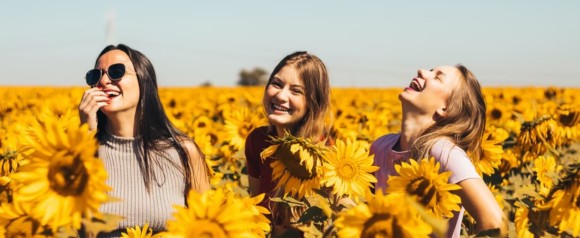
<point x="52" y="183"/>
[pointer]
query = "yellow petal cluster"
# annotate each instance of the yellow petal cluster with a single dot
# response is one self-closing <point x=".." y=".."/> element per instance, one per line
<point x="430" y="188"/>
<point x="61" y="176"/>
<point x="218" y="213"/>
<point x="348" y="169"/>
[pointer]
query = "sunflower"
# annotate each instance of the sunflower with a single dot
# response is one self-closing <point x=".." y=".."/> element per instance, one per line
<point x="539" y="135"/>
<point x="10" y="158"/>
<point x="297" y="165"/>
<point x="203" y="123"/>
<point x="348" y="169"/>
<point x="239" y="124"/>
<point x="16" y="221"/>
<point x="564" y="206"/>
<point x="545" y="168"/>
<point x="568" y="118"/>
<point x="5" y="189"/>
<point x="522" y="222"/>
<point x="509" y="161"/>
<point x="217" y="213"/>
<point x="498" y="112"/>
<point x="430" y="187"/>
<point x="491" y="150"/>
<point x="62" y="176"/>
<point x="138" y="232"/>
<point x="382" y="216"/>
<point x="262" y="223"/>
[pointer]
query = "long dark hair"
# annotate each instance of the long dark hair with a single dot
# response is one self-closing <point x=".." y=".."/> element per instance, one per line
<point x="155" y="131"/>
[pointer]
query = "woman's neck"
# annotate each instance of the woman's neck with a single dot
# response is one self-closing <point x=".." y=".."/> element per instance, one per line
<point x="123" y="125"/>
<point x="281" y="132"/>
<point x="411" y="128"/>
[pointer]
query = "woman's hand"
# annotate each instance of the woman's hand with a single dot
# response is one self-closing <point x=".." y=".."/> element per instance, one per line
<point x="93" y="99"/>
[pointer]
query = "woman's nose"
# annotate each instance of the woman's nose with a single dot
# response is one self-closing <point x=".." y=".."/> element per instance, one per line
<point x="282" y="95"/>
<point x="421" y="73"/>
<point x="105" y="79"/>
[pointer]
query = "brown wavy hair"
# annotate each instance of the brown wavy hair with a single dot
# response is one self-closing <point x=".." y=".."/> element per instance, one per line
<point x="314" y="76"/>
<point x="315" y="79"/>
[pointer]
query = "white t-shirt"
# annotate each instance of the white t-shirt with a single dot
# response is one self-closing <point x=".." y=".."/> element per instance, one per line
<point x="451" y="157"/>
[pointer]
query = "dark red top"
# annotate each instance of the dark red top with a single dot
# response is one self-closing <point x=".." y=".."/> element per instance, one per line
<point x="258" y="140"/>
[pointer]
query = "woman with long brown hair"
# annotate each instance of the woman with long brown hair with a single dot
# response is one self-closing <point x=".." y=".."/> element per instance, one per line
<point x="296" y="101"/>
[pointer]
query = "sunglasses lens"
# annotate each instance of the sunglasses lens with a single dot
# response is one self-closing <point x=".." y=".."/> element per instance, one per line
<point x="116" y="71"/>
<point x="93" y="77"/>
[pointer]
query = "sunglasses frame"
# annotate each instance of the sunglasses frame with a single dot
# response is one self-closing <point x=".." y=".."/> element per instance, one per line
<point x="102" y="72"/>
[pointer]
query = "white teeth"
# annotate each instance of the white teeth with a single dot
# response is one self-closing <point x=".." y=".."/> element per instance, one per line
<point x="279" y="108"/>
<point x="415" y="86"/>
<point x="112" y="93"/>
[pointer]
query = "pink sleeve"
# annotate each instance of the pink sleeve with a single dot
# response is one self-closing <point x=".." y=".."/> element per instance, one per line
<point x="454" y="159"/>
<point x="379" y="148"/>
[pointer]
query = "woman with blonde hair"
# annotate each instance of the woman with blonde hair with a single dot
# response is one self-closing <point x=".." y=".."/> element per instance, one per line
<point x="443" y="113"/>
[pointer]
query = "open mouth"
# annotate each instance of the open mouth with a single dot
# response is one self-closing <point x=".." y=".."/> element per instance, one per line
<point x="112" y="94"/>
<point x="416" y="86"/>
<point x="280" y="108"/>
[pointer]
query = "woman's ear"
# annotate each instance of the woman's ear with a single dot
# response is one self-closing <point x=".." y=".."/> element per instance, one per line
<point x="441" y="112"/>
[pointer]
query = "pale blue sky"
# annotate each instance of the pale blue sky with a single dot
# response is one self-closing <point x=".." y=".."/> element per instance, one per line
<point x="363" y="43"/>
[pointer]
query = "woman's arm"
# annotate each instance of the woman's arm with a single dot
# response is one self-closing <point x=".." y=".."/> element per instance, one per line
<point x="253" y="161"/>
<point x="199" y="169"/>
<point x="253" y="185"/>
<point x="482" y="206"/>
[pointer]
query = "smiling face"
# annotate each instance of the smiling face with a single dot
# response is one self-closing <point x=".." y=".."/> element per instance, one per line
<point x="430" y="90"/>
<point x="284" y="99"/>
<point x="124" y="94"/>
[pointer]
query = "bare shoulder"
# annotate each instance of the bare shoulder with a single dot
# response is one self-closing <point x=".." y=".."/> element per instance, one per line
<point x="190" y="147"/>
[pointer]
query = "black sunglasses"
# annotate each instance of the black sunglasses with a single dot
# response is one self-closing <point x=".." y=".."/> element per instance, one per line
<point x="115" y="72"/>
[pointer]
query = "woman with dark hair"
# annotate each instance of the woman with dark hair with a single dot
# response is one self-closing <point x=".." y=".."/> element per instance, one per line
<point x="151" y="165"/>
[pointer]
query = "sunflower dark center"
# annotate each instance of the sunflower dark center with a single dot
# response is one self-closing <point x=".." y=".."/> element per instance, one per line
<point x="245" y="130"/>
<point x="213" y="138"/>
<point x="381" y="225"/>
<point x="496" y="113"/>
<point x="423" y="189"/>
<point x="570" y="120"/>
<point x="68" y="177"/>
<point x="550" y="93"/>
<point x="292" y="163"/>
<point x="209" y="229"/>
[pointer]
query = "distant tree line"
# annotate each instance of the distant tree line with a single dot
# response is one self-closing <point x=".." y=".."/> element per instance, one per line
<point x="254" y="77"/>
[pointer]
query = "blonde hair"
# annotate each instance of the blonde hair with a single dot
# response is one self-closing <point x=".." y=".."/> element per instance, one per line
<point x="464" y="123"/>
<point x="314" y="76"/>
